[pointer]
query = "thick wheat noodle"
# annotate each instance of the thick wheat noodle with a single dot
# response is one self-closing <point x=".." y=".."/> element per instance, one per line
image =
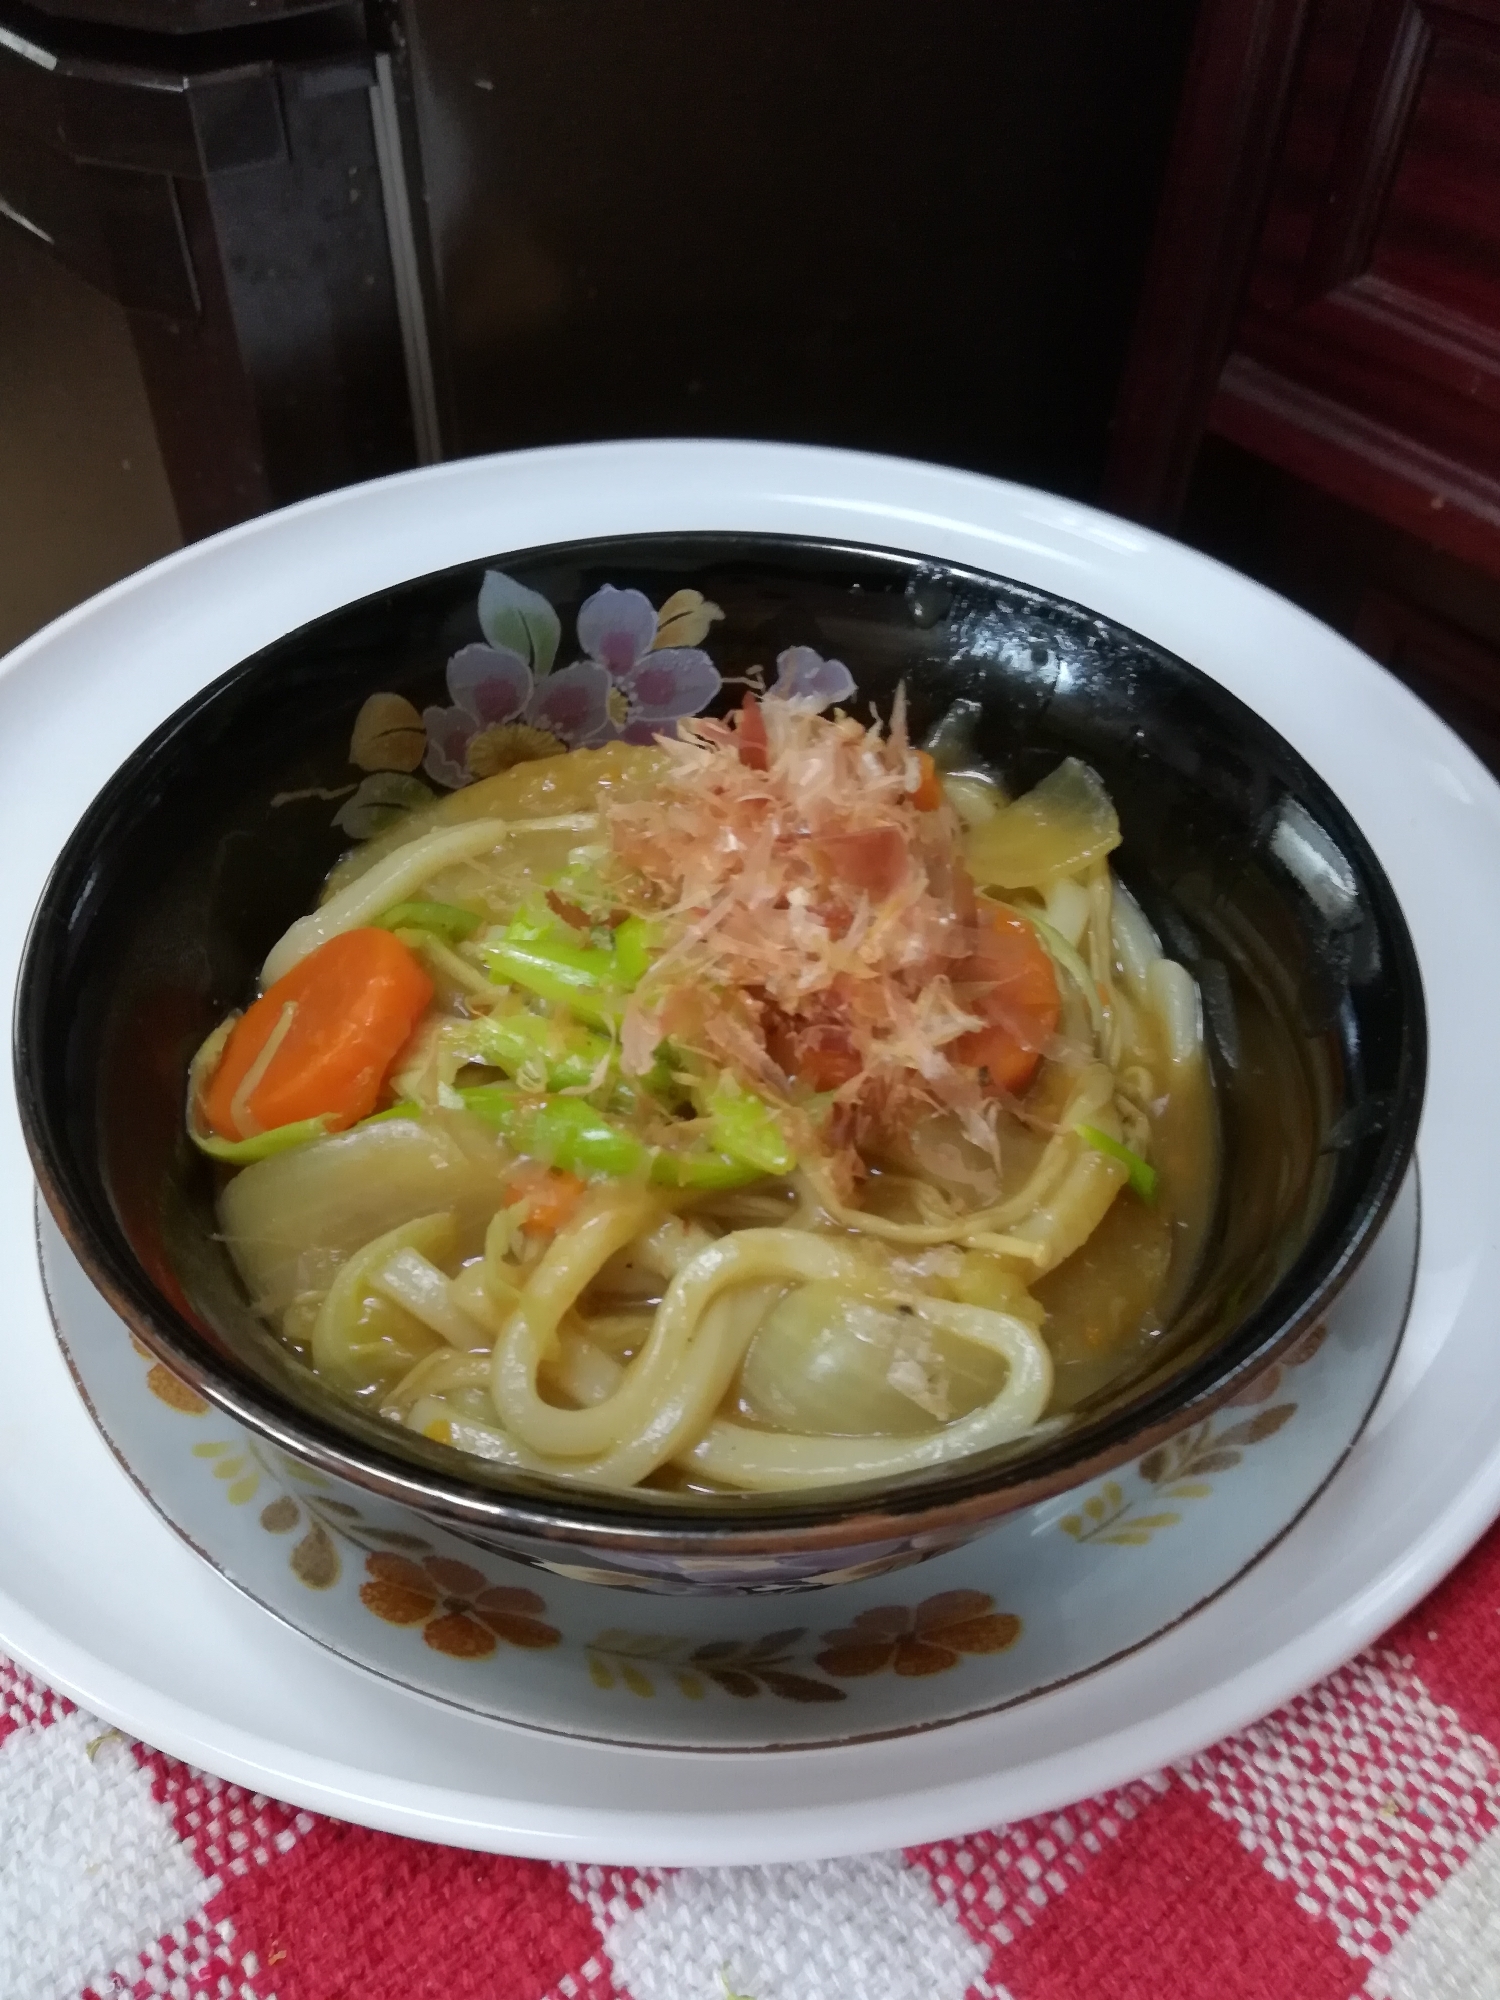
<point x="927" y="1235"/>
<point x="704" y="1374"/>
<point x="750" y="1256"/>
<point x="608" y="1220"/>
<point x="431" y="1234"/>
<point x="693" y="1394"/>
<point x="1078" y="1205"/>
<point x="395" y="878"/>
<point x="1091" y="1092"/>
<point x="762" y="1461"/>
<point x="435" y="1375"/>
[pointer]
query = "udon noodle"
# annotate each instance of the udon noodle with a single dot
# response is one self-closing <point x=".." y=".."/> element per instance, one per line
<point x="761" y="1109"/>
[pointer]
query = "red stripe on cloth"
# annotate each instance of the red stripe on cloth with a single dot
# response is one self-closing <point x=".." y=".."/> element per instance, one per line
<point x="228" y="1829"/>
<point x="1453" y="1641"/>
<point x="1176" y="1908"/>
<point x="25" y="1703"/>
<point x="1363" y="1795"/>
<point x="204" y="1962"/>
<point x="998" y="1883"/>
<point x="350" y="1915"/>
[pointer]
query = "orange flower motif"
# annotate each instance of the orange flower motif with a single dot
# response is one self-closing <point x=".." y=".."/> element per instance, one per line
<point x="174" y="1392"/>
<point x="461" y="1613"/>
<point x="927" y="1640"/>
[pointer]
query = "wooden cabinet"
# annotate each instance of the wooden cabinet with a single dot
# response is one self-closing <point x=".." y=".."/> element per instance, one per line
<point x="1313" y="391"/>
<point x="1366" y="354"/>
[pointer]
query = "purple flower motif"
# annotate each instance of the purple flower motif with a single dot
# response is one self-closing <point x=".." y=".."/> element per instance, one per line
<point x="802" y="673"/>
<point x="492" y="689"/>
<point x="650" y="687"/>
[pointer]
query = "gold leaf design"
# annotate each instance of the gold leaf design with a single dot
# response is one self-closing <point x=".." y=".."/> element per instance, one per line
<point x="389" y="735"/>
<point x="229" y="1468"/>
<point x="1308" y="1346"/>
<point x="281" y="1515"/>
<point x="379" y="802"/>
<point x="244" y="1489"/>
<point x="740" y="1667"/>
<point x="684" y="620"/>
<point x="315" y="1560"/>
<point x="211" y="1448"/>
<point x="1264" y="1424"/>
<point x="1178" y="1469"/>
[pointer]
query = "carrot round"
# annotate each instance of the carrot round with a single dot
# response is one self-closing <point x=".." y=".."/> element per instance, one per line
<point x="750" y="736"/>
<point x="928" y="795"/>
<point x="550" y="1196"/>
<point x="338" y="1020"/>
<point x="1010" y="983"/>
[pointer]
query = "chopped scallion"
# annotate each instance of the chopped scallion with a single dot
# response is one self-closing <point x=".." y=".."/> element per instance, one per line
<point x="1143" y="1178"/>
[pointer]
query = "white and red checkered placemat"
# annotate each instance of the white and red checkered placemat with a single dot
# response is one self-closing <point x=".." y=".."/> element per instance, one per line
<point x="1349" y="1845"/>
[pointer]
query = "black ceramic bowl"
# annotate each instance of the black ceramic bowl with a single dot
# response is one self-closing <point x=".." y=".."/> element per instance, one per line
<point x="219" y="830"/>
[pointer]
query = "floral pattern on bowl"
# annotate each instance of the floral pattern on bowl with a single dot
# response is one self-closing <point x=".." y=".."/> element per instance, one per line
<point x="1049" y="1594"/>
<point x="640" y="671"/>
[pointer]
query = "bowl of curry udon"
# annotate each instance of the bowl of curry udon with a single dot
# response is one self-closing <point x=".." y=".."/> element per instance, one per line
<point x="716" y="1060"/>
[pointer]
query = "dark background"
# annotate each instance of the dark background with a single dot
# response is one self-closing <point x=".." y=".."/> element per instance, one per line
<point x="1225" y="266"/>
<point x="910" y="225"/>
<point x="918" y="228"/>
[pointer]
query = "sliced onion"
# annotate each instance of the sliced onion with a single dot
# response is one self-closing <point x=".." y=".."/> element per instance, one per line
<point x="832" y="1363"/>
<point x="1135" y="943"/>
<point x="762" y="1461"/>
<point x="1058" y="828"/>
<point x="291" y="1221"/>
<point x="1173" y="996"/>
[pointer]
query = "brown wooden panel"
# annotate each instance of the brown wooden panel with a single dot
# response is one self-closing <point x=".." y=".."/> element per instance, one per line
<point x="1454" y="672"/>
<point x="903" y="225"/>
<point x="1369" y="464"/>
<point x="1234" y="103"/>
<point x="1367" y="358"/>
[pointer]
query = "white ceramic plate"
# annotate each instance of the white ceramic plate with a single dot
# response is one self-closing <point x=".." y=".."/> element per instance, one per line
<point x="104" y="1602"/>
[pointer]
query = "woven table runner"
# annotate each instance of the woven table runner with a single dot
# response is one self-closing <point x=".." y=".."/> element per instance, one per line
<point x="1348" y="1845"/>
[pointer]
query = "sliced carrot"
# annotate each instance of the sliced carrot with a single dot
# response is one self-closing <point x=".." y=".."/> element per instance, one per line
<point x="550" y="1196"/>
<point x="750" y="736"/>
<point x="339" y="1017"/>
<point x="1009" y="981"/>
<point x="928" y="795"/>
